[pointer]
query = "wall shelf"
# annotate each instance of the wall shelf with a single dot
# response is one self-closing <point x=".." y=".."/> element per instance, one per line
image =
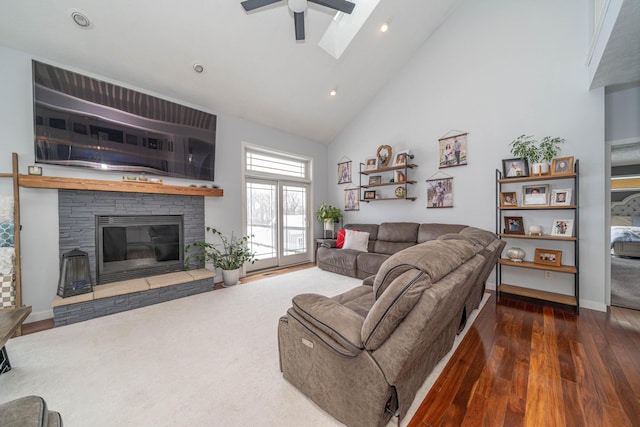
<point x="34" y="181"/>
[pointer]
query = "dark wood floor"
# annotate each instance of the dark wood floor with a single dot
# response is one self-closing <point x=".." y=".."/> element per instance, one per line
<point x="526" y="363"/>
<point x="529" y="364"/>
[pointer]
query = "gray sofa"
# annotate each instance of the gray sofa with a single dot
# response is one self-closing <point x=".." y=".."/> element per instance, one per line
<point x="362" y="355"/>
<point x="384" y="240"/>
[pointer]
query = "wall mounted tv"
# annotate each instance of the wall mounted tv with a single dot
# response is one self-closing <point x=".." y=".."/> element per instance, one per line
<point x="82" y="121"/>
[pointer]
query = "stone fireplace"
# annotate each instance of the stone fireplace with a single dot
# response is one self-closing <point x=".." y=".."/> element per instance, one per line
<point x="135" y="243"/>
<point x="83" y="214"/>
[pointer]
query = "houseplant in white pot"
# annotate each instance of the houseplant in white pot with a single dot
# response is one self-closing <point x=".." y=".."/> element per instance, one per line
<point x="538" y="155"/>
<point x="328" y="215"/>
<point x="229" y="254"/>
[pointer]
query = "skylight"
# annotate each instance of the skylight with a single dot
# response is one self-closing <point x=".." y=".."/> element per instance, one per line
<point x="344" y="28"/>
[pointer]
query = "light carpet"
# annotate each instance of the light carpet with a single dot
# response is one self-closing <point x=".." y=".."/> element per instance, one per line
<point x="206" y="360"/>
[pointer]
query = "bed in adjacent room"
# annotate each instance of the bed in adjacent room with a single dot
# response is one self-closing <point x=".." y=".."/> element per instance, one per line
<point x="625" y="252"/>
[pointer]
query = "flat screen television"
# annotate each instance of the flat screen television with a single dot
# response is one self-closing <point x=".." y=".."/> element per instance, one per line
<point x="82" y="121"/>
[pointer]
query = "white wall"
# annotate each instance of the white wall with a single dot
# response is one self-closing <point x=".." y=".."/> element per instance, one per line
<point x="622" y="113"/>
<point x="496" y="69"/>
<point x="39" y="207"/>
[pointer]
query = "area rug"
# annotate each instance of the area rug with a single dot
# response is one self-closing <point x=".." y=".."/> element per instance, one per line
<point x="206" y="360"/>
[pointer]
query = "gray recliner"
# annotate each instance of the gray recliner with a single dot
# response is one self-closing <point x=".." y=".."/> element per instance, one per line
<point x="29" y="411"/>
<point x="362" y="355"/>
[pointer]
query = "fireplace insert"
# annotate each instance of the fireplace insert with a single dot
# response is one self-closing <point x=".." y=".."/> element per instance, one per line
<point x="133" y="246"/>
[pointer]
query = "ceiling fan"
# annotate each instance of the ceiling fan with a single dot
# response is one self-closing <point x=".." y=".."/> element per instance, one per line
<point x="298" y="7"/>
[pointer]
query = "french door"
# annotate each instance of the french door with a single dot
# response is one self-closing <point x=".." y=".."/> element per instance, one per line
<point x="277" y="213"/>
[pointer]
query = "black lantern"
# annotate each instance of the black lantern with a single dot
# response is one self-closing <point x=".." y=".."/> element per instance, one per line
<point x="75" y="277"/>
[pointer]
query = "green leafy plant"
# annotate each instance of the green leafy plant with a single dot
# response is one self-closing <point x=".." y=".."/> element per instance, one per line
<point x="526" y="147"/>
<point x="229" y="254"/>
<point x="326" y="212"/>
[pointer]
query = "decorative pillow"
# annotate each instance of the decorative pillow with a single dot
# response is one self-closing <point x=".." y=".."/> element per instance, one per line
<point x="356" y="240"/>
<point x="340" y="239"/>
<point x="621" y="220"/>
<point x="6" y="235"/>
<point x="636" y="220"/>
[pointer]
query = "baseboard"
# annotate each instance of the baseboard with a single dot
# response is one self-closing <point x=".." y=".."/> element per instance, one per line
<point x="40" y="315"/>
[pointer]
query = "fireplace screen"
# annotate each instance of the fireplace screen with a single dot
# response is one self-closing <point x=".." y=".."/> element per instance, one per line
<point x="136" y="246"/>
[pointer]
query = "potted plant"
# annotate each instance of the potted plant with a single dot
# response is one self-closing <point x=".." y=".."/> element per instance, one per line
<point x="538" y="155"/>
<point x="229" y="255"/>
<point x="328" y="215"/>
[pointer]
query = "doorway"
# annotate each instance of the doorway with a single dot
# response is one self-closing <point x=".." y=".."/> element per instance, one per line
<point x="277" y="195"/>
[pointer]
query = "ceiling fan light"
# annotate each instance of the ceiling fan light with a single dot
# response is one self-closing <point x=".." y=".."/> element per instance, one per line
<point x="298" y="6"/>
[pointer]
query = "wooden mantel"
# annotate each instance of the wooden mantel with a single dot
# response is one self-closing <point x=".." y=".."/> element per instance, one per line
<point x="34" y="181"/>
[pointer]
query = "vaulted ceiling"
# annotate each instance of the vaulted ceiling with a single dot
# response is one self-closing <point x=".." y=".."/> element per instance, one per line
<point x="253" y="66"/>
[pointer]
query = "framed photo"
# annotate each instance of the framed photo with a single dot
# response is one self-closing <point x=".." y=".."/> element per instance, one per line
<point x="369" y="195"/>
<point x="35" y="170"/>
<point x="375" y="180"/>
<point x="515" y="168"/>
<point x="453" y="151"/>
<point x="399" y="176"/>
<point x="440" y="193"/>
<point x="508" y="199"/>
<point x="534" y="195"/>
<point x="561" y="197"/>
<point x="562" y="166"/>
<point x="371" y="164"/>
<point x="562" y="228"/>
<point x="344" y="172"/>
<point x="513" y="225"/>
<point x="548" y="257"/>
<point x="352" y="199"/>
<point x="402" y="158"/>
<point x="384" y="155"/>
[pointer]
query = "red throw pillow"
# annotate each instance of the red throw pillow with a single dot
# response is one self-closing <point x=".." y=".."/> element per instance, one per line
<point x="340" y="239"/>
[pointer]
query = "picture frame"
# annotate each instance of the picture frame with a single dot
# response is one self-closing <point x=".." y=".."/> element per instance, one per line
<point x="369" y="195"/>
<point x="399" y="176"/>
<point x="384" y="154"/>
<point x="402" y="158"/>
<point x="562" y="166"/>
<point x="561" y="197"/>
<point x="562" y="228"/>
<point x="548" y="257"/>
<point x="513" y="225"/>
<point x="508" y="199"/>
<point x="535" y="195"/>
<point x="352" y="199"/>
<point x="440" y="193"/>
<point x="453" y="151"/>
<point x="35" y="170"/>
<point x="515" y="168"/>
<point x="344" y="172"/>
<point x="375" y="179"/>
<point x="371" y="163"/>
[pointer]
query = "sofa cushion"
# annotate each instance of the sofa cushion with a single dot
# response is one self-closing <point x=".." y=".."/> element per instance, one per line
<point x="428" y="232"/>
<point x="436" y="258"/>
<point x="369" y="263"/>
<point x="392" y="307"/>
<point x="398" y="232"/>
<point x="356" y="240"/>
<point x="372" y="229"/>
<point x="334" y="319"/>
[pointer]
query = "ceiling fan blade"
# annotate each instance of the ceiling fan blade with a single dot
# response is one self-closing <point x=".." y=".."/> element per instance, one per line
<point x="250" y="5"/>
<point x="298" y="18"/>
<point x="341" y="5"/>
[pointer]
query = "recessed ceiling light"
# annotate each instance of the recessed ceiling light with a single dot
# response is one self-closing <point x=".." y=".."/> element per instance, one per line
<point x="333" y="92"/>
<point x="198" y="68"/>
<point x="80" y="18"/>
<point x="384" y="27"/>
